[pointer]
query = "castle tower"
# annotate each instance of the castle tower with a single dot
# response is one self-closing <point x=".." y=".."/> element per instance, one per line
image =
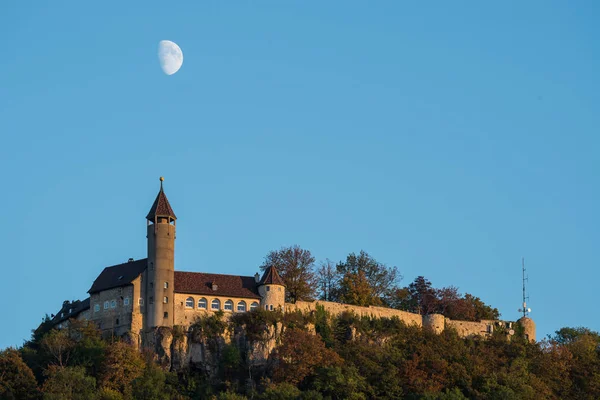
<point x="271" y="290"/>
<point x="528" y="328"/>
<point x="161" y="262"/>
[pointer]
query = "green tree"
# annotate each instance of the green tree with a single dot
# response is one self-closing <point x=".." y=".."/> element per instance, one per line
<point x="281" y="391"/>
<point x="16" y="378"/>
<point x="365" y="281"/>
<point x="68" y="383"/>
<point x="121" y="366"/>
<point x="151" y="384"/>
<point x="295" y="266"/>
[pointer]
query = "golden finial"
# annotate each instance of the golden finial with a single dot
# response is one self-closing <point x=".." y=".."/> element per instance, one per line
<point x="162" y="178"/>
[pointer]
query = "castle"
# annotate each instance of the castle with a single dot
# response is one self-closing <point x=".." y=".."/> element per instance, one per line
<point x="138" y="296"/>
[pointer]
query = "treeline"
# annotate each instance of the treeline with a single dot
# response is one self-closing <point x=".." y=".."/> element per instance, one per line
<point x="362" y="280"/>
<point x="316" y="356"/>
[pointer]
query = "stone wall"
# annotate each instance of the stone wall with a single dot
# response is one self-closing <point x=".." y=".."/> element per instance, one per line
<point x="117" y="319"/>
<point x="435" y="322"/>
<point x="470" y="328"/>
<point x="185" y="315"/>
<point x="372" y="312"/>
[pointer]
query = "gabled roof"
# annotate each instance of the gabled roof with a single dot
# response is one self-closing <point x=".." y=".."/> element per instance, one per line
<point x="271" y="277"/>
<point x="226" y="285"/>
<point x="161" y="207"/>
<point x="71" y="310"/>
<point x="118" y="275"/>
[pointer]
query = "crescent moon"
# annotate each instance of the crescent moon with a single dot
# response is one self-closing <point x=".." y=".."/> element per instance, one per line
<point x="170" y="56"/>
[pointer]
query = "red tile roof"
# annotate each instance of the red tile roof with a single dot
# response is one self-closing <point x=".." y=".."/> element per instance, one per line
<point x="161" y="207"/>
<point x="226" y="285"/>
<point x="271" y="277"/>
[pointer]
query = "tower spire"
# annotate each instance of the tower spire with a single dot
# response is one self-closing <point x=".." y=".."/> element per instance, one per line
<point x="161" y="207"/>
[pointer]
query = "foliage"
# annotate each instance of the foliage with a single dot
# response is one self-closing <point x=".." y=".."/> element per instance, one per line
<point x="65" y="383"/>
<point x="16" y="378"/>
<point x="421" y="297"/>
<point x="300" y="354"/>
<point x="122" y="365"/>
<point x="295" y="266"/>
<point x="364" y="281"/>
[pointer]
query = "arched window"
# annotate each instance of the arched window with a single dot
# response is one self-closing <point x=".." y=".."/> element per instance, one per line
<point x="215" y="304"/>
<point x="241" y="307"/>
<point x="253" y="306"/>
<point x="228" y="305"/>
<point x="202" y="303"/>
<point x="189" y="302"/>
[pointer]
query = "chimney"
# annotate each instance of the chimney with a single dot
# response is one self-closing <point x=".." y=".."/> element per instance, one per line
<point x="214" y="286"/>
<point x="257" y="277"/>
<point x="130" y="260"/>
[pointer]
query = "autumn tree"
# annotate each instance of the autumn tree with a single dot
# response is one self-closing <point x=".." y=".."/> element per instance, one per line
<point x="300" y="354"/>
<point x="295" y="266"/>
<point x="365" y="280"/>
<point x="122" y="365"/>
<point x="16" y="378"/>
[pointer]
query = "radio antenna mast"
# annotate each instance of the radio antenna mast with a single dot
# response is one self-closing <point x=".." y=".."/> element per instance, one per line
<point x="524" y="310"/>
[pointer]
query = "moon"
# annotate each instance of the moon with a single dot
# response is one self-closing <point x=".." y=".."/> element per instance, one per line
<point x="170" y="56"/>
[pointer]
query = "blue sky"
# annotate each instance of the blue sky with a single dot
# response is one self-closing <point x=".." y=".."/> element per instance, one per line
<point x="449" y="140"/>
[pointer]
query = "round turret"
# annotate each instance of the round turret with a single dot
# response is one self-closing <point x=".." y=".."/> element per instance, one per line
<point x="271" y="290"/>
<point x="435" y="322"/>
<point x="528" y="328"/>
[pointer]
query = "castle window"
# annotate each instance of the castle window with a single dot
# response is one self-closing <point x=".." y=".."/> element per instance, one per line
<point x="267" y="307"/>
<point x="241" y="306"/>
<point x="202" y="303"/>
<point x="165" y="299"/>
<point x="228" y="305"/>
<point x="268" y="288"/>
<point x="96" y="307"/>
<point x="189" y="302"/>
<point x="113" y="303"/>
<point x="271" y="307"/>
<point x="117" y="321"/>
<point x="106" y="304"/>
<point x="126" y="301"/>
<point x="166" y="285"/>
<point x="141" y="301"/>
<point x="215" y="304"/>
<point x="165" y="315"/>
<point x="253" y="306"/>
<point x="151" y="300"/>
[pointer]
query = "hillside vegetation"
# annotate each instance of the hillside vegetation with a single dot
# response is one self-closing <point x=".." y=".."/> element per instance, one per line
<point x="315" y="356"/>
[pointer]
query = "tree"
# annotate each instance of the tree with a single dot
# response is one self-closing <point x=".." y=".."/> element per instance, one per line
<point x="151" y="384"/>
<point x="362" y="269"/>
<point x="295" y="266"/>
<point x="300" y="354"/>
<point x="122" y="365"/>
<point x="355" y="289"/>
<point x="419" y="297"/>
<point x="68" y="383"/>
<point x="16" y="378"/>
<point x="59" y="346"/>
<point x="328" y="279"/>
